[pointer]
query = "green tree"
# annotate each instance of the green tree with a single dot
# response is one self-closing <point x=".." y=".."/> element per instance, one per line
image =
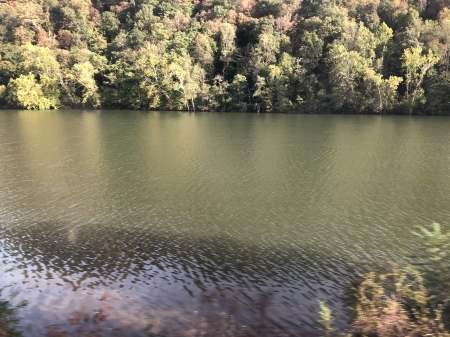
<point x="311" y="50"/>
<point x="227" y="44"/>
<point x="41" y="75"/>
<point x="294" y="55"/>
<point x="359" y="38"/>
<point x="220" y="91"/>
<point x="26" y="92"/>
<point x="268" y="7"/>
<point x="39" y="61"/>
<point x="82" y="75"/>
<point x="238" y="93"/>
<point x="10" y="56"/>
<point x="385" y="89"/>
<point x="346" y="70"/>
<point x="416" y="66"/>
<point x="110" y="25"/>
<point x="203" y="51"/>
<point x="263" y="94"/>
<point x="265" y="52"/>
<point x="324" y="18"/>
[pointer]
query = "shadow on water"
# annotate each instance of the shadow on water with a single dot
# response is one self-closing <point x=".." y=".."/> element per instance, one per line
<point x="279" y="285"/>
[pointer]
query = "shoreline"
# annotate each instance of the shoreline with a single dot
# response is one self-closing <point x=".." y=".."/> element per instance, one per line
<point x="91" y="109"/>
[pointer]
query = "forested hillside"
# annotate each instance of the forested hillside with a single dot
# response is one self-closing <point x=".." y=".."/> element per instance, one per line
<point x="347" y="56"/>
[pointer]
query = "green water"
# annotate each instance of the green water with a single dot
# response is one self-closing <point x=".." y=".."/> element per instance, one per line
<point x="163" y="209"/>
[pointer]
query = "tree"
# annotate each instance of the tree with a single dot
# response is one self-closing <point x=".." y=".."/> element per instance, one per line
<point x="311" y="50"/>
<point x="39" y="61"/>
<point x="265" y="52"/>
<point x="263" y="94"/>
<point x="191" y="81"/>
<point x="110" y="25"/>
<point x="220" y="91"/>
<point x="346" y="70"/>
<point x="10" y="57"/>
<point x="294" y="55"/>
<point x="227" y="44"/>
<point x="268" y="7"/>
<point x="156" y="79"/>
<point x="386" y="89"/>
<point x="2" y="91"/>
<point x="203" y="51"/>
<point x="238" y="93"/>
<point x="416" y="67"/>
<point x="384" y="36"/>
<point x="26" y="92"/>
<point x="82" y="74"/>
<point x="359" y="38"/>
<point x="168" y="81"/>
<point x="40" y="77"/>
<point x="324" y="18"/>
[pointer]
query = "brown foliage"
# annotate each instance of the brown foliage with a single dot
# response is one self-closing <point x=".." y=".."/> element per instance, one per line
<point x="231" y="17"/>
<point x="180" y="21"/>
<point x="64" y="39"/>
<point x="247" y="7"/>
<point x="23" y="35"/>
<point x="283" y="24"/>
<point x="120" y="7"/>
<point x="93" y="13"/>
<point x="396" y="303"/>
<point x="41" y="37"/>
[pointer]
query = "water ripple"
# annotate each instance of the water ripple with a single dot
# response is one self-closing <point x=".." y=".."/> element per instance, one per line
<point x="170" y="211"/>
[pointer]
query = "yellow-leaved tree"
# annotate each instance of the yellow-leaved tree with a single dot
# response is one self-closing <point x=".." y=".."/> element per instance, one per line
<point x="385" y="89"/>
<point x="416" y="66"/>
<point x="37" y="87"/>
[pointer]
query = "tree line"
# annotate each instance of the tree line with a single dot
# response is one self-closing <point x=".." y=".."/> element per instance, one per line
<point x="341" y="56"/>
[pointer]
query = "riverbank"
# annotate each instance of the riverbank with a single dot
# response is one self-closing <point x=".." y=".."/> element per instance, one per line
<point x="399" y="112"/>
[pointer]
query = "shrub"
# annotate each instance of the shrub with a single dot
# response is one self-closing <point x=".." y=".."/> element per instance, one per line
<point x="411" y="300"/>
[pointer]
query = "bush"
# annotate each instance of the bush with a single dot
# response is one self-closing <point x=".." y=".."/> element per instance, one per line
<point x="411" y="300"/>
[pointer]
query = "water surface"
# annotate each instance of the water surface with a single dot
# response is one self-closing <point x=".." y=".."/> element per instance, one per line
<point x="172" y="213"/>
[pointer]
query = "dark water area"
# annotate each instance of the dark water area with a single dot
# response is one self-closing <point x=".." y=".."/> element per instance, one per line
<point x="176" y="215"/>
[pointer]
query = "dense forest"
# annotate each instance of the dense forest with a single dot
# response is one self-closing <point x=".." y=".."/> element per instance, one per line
<point x="343" y="56"/>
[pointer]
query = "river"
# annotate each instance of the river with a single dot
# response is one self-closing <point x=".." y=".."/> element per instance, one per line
<point x="168" y="215"/>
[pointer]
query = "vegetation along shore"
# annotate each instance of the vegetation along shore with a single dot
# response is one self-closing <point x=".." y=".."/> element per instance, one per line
<point x="327" y="56"/>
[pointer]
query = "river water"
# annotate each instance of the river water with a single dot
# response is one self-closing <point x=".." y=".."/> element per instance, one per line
<point x="165" y="216"/>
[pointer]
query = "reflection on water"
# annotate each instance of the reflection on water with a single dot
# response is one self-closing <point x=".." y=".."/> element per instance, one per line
<point x="161" y="210"/>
